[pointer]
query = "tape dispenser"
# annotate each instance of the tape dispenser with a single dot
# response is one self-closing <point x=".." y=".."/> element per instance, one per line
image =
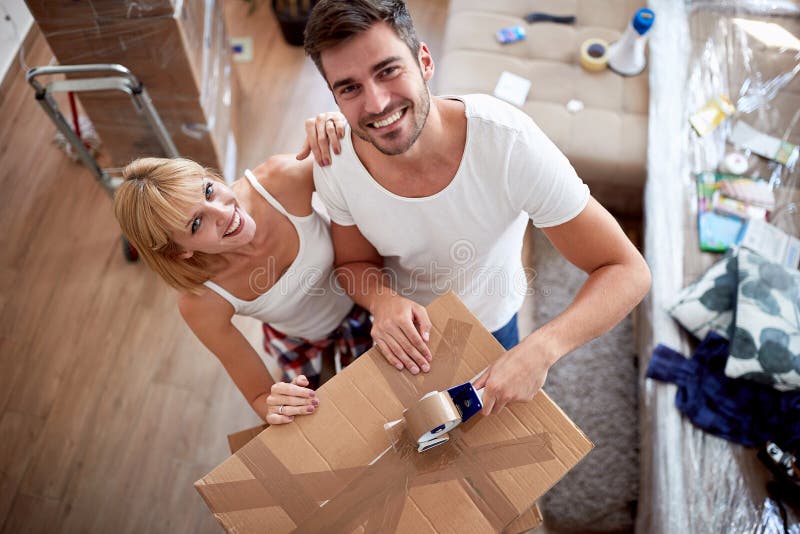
<point x="439" y="412"/>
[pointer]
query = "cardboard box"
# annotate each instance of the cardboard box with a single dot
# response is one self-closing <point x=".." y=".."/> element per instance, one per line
<point x="237" y="440"/>
<point x="181" y="56"/>
<point x="161" y="52"/>
<point x="525" y="522"/>
<point x="65" y="15"/>
<point x="198" y="133"/>
<point x="337" y="470"/>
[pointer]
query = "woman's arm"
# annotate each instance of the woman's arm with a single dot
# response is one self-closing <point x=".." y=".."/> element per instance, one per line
<point x="210" y="320"/>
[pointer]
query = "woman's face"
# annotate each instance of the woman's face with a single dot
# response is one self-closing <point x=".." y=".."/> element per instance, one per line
<point x="217" y="224"/>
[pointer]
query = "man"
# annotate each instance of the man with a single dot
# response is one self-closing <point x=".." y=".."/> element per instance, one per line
<point x="432" y="193"/>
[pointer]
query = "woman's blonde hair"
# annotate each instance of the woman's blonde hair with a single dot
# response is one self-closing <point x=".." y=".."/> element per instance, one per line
<point x="151" y="204"/>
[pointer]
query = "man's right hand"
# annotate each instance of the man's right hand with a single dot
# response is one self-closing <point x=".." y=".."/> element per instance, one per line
<point x="401" y="329"/>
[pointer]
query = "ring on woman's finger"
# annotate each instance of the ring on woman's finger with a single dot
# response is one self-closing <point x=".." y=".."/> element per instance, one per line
<point x="280" y="410"/>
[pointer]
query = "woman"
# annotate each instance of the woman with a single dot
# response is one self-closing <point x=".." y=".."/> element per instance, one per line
<point x="254" y="248"/>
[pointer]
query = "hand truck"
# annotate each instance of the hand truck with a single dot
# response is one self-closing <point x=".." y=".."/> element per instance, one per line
<point x="109" y="77"/>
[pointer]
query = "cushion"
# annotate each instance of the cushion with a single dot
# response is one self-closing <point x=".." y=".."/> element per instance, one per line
<point x="765" y="344"/>
<point x="707" y="304"/>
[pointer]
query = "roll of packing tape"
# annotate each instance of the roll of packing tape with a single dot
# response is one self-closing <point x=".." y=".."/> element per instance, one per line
<point x="594" y="55"/>
<point x="734" y="163"/>
<point x="433" y="416"/>
<point x="438" y="412"/>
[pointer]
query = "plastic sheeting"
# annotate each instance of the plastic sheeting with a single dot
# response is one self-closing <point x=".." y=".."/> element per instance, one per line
<point x="691" y="481"/>
<point x="179" y="50"/>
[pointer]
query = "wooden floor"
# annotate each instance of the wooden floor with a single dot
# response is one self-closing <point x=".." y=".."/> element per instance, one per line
<point x="109" y="408"/>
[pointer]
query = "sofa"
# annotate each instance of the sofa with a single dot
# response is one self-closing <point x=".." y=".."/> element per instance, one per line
<point x="692" y="481"/>
<point x="606" y="141"/>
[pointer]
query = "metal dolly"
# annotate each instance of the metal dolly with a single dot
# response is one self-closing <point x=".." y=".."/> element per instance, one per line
<point x="116" y="78"/>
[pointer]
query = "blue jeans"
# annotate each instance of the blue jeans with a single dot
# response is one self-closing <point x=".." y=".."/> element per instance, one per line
<point x="508" y="335"/>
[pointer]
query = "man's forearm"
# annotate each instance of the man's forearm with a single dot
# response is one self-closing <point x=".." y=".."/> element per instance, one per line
<point x="607" y="296"/>
<point x="364" y="282"/>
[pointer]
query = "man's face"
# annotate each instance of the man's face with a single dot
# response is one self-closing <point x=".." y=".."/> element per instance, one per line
<point x="380" y="87"/>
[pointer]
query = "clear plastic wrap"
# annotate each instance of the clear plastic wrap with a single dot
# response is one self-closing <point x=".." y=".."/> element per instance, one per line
<point x="177" y="49"/>
<point x="692" y="481"/>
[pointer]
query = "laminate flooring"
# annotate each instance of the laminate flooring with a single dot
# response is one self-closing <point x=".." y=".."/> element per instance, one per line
<point x="109" y="407"/>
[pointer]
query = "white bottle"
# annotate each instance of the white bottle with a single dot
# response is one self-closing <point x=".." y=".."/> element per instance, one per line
<point x="626" y="56"/>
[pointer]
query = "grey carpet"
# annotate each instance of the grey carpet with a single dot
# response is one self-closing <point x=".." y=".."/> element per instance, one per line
<point x="596" y="386"/>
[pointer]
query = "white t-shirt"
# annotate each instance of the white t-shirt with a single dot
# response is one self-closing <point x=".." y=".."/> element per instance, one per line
<point x="468" y="236"/>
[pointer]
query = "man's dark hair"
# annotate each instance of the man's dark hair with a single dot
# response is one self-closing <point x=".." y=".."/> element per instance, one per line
<point x="334" y="21"/>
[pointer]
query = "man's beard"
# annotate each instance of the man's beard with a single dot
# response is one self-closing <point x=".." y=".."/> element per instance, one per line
<point x="420" y="115"/>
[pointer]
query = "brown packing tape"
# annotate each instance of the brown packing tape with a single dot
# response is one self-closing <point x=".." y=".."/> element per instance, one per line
<point x="249" y="494"/>
<point x="386" y="515"/>
<point x="486" y="494"/>
<point x="394" y="431"/>
<point x="320" y="486"/>
<point x="455" y="338"/>
<point x="430" y="412"/>
<point x="434" y="467"/>
<point x="260" y="461"/>
<point x="376" y="486"/>
<point x="237" y="440"/>
<point x="402" y="468"/>
<point x="444" y="365"/>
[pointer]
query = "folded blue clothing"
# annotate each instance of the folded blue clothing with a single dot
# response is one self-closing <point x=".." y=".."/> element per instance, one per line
<point x="735" y="409"/>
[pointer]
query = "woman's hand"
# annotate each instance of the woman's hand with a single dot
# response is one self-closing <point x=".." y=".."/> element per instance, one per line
<point x="286" y="400"/>
<point x="323" y="133"/>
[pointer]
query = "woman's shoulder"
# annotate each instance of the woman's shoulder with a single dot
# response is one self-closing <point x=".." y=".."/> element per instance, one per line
<point x="204" y="305"/>
<point x="283" y="171"/>
<point x="290" y="181"/>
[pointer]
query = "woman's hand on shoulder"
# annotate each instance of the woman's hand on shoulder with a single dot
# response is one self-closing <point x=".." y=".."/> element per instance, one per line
<point x="323" y="133"/>
<point x="286" y="400"/>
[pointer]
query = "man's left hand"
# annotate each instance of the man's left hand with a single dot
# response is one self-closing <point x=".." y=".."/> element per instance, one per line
<point x="516" y="377"/>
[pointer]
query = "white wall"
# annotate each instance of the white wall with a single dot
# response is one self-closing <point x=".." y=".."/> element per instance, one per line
<point x="15" y="21"/>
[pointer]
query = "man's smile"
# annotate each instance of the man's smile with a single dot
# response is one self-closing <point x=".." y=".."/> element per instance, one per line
<point x="388" y="121"/>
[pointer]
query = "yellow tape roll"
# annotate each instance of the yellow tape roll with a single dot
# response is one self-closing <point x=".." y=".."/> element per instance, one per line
<point x="594" y="55"/>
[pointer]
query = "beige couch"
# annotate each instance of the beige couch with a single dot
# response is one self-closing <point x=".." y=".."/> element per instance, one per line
<point x="607" y="140"/>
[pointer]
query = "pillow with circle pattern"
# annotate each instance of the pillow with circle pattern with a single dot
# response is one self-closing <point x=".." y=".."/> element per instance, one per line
<point x="765" y="341"/>
<point x="707" y="303"/>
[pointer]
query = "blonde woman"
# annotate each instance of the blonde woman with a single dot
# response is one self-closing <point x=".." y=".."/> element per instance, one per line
<point x="254" y="248"/>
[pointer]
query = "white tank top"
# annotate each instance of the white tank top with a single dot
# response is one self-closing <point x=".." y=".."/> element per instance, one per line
<point x="306" y="301"/>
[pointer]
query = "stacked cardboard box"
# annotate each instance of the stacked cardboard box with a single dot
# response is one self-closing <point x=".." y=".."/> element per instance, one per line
<point x="177" y="49"/>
